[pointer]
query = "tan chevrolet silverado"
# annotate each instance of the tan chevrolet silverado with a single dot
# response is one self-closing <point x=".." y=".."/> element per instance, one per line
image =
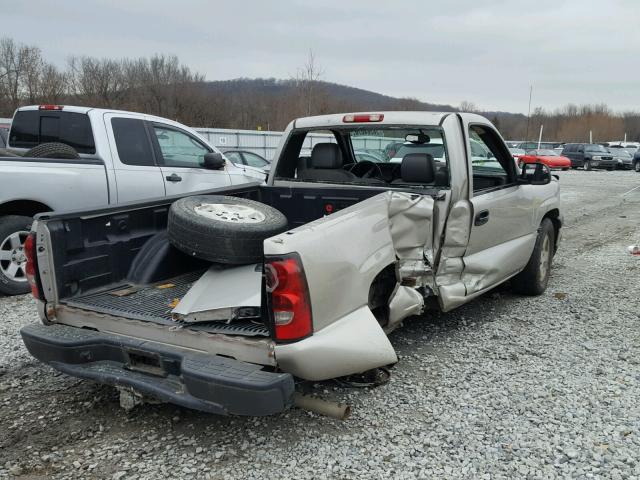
<point x="224" y="300"/>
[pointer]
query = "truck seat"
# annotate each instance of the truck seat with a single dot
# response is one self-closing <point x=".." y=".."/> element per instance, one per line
<point x="417" y="168"/>
<point x="326" y="165"/>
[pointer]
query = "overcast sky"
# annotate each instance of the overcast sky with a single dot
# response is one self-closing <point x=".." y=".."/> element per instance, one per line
<point x="486" y="52"/>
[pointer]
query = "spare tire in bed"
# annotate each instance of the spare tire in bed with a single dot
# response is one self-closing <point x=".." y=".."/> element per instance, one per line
<point x="223" y="229"/>
<point x="53" y="150"/>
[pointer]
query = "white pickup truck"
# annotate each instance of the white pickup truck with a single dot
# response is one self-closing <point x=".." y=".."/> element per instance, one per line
<point x="223" y="301"/>
<point x="98" y="157"/>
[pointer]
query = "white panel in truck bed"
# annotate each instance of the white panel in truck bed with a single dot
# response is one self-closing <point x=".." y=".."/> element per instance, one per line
<point x="222" y="294"/>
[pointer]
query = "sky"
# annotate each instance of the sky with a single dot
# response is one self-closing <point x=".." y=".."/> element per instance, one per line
<point x="485" y="52"/>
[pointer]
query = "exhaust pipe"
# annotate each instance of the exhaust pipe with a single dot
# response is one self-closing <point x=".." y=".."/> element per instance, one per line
<point x="335" y="410"/>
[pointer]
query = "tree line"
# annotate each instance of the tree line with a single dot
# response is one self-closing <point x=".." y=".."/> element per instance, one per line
<point x="161" y="85"/>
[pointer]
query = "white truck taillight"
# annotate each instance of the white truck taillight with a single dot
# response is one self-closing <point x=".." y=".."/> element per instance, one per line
<point x="290" y="303"/>
<point x="51" y="107"/>
<point x="363" y="118"/>
<point x="31" y="268"/>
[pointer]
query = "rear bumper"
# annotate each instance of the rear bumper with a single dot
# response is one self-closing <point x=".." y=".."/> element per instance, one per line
<point x="194" y="380"/>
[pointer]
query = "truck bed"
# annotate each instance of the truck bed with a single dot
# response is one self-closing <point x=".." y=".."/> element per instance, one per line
<point x="151" y="303"/>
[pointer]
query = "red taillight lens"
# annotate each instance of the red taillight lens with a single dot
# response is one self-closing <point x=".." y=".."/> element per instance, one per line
<point x="363" y="118"/>
<point x="289" y="298"/>
<point x="32" y="266"/>
<point x="50" y="107"/>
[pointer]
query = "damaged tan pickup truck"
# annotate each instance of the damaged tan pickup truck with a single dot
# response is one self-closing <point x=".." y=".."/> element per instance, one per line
<point x="223" y="300"/>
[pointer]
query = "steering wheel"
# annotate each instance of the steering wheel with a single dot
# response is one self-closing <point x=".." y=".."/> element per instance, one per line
<point x="366" y="169"/>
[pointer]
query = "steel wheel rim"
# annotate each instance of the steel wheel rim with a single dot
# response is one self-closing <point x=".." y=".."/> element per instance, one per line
<point x="13" y="261"/>
<point x="238" y="214"/>
<point x="545" y="258"/>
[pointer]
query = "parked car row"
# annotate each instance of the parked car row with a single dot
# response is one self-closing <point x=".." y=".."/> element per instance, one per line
<point x="588" y="156"/>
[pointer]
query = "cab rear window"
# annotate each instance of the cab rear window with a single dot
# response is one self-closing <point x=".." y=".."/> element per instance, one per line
<point x="33" y="127"/>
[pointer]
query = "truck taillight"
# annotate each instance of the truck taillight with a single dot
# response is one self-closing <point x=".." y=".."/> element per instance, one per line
<point x="32" y="266"/>
<point x="290" y="303"/>
<point x="50" y="107"/>
<point x="363" y="118"/>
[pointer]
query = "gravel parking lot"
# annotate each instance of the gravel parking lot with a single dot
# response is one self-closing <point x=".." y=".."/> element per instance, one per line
<point x="504" y="387"/>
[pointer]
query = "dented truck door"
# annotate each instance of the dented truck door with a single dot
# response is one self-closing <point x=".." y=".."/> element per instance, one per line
<point x="455" y="215"/>
<point x="490" y="229"/>
<point x="496" y="219"/>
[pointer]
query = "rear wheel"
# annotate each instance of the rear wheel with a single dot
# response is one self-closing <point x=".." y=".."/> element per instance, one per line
<point x="534" y="278"/>
<point x="587" y="165"/>
<point x="14" y="230"/>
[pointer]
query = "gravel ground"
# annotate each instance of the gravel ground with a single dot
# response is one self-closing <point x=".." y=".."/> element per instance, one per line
<point x="504" y="387"/>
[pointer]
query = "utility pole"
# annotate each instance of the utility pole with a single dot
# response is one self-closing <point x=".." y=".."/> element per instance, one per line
<point x="540" y="136"/>
<point x="526" y="137"/>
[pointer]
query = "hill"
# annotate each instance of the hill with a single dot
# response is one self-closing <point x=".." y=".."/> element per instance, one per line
<point x="284" y="95"/>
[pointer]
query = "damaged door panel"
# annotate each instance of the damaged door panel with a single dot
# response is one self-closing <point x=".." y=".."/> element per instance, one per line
<point x="451" y="287"/>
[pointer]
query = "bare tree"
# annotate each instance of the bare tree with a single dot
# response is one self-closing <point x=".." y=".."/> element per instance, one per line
<point x="19" y="67"/>
<point x="308" y="84"/>
<point x="466" y="106"/>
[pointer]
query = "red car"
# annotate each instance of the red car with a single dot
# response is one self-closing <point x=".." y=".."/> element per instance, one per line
<point x="550" y="158"/>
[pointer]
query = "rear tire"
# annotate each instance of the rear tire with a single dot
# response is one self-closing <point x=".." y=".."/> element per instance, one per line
<point x="53" y="150"/>
<point x="223" y="229"/>
<point x="534" y="278"/>
<point x="13" y="231"/>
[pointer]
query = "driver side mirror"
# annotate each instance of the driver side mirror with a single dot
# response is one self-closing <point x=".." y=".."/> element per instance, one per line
<point x="213" y="161"/>
<point x="535" y="174"/>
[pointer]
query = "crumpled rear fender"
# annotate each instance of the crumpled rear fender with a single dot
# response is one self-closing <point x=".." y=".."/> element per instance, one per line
<point x="342" y="254"/>
<point x="353" y="344"/>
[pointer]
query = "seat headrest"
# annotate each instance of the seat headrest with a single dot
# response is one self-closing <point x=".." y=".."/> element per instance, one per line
<point x="418" y="168"/>
<point x="326" y="155"/>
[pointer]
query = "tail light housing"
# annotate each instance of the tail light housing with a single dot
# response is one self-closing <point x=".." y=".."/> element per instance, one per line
<point x="290" y="304"/>
<point x="363" y="118"/>
<point x="50" y="107"/>
<point x="32" y="266"/>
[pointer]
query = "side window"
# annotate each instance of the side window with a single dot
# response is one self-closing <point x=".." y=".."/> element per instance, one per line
<point x="234" y="157"/>
<point x="490" y="166"/>
<point x="180" y="149"/>
<point x="132" y="142"/>
<point x="580" y="148"/>
<point x="254" y="160"/>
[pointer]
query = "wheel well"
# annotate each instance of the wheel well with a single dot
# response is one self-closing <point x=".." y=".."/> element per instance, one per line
<point x="380" y="292"/>
<point x="28" y="208"/>
<point x="554" y="216"/>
